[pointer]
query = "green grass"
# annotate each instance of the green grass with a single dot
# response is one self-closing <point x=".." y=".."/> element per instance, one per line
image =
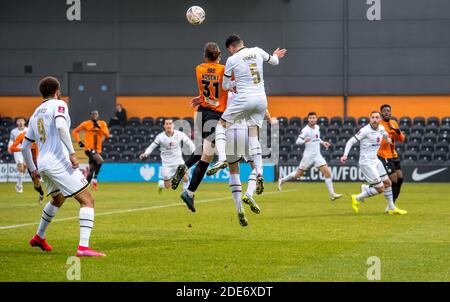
<point x="299" y="236"/>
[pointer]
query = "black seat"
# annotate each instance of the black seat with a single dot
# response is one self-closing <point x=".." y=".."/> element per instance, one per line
<point x="295" y="157"/>
<point x="159" y="121"/>
<point x="283" y="157"/>
<point x="427" y="146"/>
<point x="298" y="148"/>
<point x="124" y="138"/>
<point x="419" y="120"/>
<point x="147" y="121"/>
<point x="330" y="139"/>
<point x="433" y="129"/>
<point x="139" y="139"/>
<point x="400" y="149"/>
<point x="440" y="155"/>
<point x="425" y="155"/>
<point x="430" y="138"/>
<point x="349" y="121"/>
<point x="134" y="121"/>
<point x="418" y="129"/>
<point x="344" y="137"/>
<point x="413" y="147"/>
<point x="433" y="120"/>
<point x="362" y="121"/>
<point x="285" y="148"/>
<point x="405" y="129"/>
<point x="128" y="156"/>
<point x="414" y="138"/>
<point x="116" y="130"/>
<point x="337" y="154"/>
<point x="347" y="130"/>
<point x="133" y="147"/>
<point x="295" y="121"/>
<point x="6" y="122"/>
<point x="339" y="146"/>
<point x="405" y="121"/>
<point x="119" y="147"/>
<point x="336" y="120"/>
<point x="444" y="138"/>
<point x="289" y="139"/>
<point x="322" y="121"/>
<point x="410" y="155"/>
<point x="445" y="121"/>
<point x="441" y="146"/>
<point x="113" y="156"/>
<point x="333" y="130"/>
<point x="292" y="130"/>
<point x="444" y="130"/>
<point x="112" y="139"/>
<point x="130" y="130"/>
<point x="283" y="121"/>
<point x="143" y="130"/>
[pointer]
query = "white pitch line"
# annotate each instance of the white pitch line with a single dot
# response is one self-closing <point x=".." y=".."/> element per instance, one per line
<point x="6" y="227"/>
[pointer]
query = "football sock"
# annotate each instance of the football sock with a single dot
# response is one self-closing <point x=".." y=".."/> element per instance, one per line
<point x="289" y="177"/>
<point x="236" y="190"/>
<point x="97" y="170"/>
<point x="389" y="197"/>
<point x="256" y="153"/>
<point x="195" y="157"/>
<point x="251" y="186"/>
<point x="367" y="192"/>
<point x="221" y="140"/>
<point x="86" y="225"/>
<point x="161" y="184"/>
<point x="197" y="175"/>
<point x="329" y="183"/>
<point x="20" y="179"/>
<point x="39" y="190"/>
<point x="48" y="213"/>
<point x="91" y="171"/>
<point x="398" y="187"/>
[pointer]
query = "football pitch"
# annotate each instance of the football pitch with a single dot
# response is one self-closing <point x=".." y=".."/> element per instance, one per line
<point x="300" y="235"/>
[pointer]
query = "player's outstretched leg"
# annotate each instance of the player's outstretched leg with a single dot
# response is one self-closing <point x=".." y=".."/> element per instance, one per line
<point x="86" y="218"/>
<point x="48" y="213"/>
<point x="293" y="175"/>
<point x="220" y="141"/>
<point x="179" y="173"/>
<point x="236" y="191"/>
<point x="188" y="200"/>
<point x="161" y="186"/>
<point x="248" y="196"/>
<point x="329" y="181"/>
<point x="391" y="209"/>
<point x="366" y="191"/>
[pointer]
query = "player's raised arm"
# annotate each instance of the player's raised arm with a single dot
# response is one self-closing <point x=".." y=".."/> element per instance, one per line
<point x="301" y="138"/>
<point x="149" y="150"/>
<point x="77" y="136"/>
<point x="188" y="142"/>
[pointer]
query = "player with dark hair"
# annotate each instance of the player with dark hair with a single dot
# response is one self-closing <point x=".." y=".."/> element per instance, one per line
<point x="388" y="153"/>
<point x="310" y="137"/>
<point x="18" y="158"/>
<point x="94" y="131"/>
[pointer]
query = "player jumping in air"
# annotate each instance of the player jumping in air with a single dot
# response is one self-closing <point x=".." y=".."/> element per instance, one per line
<point x="388" y="153"/>
<point x="369" y="138"/>
<point x="310" y="136"/>
<point x="16" y="147"/>
<point x="18" y="158"/>
<point x="170" y="143"/>
<point x="246" y="66"/>
<point x="58" y="166"/>
<point x="94" y="130"/>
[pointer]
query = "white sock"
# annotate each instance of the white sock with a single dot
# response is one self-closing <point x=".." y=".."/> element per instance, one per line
<point x="256" y="153"/>
<point x="329" y="183"/>
<point x="251" y="186"/>
<point x="221" y="140"/>
<point x="20" y="179"/>
<point x="186" y="184"/>
<point x="367" y="192"/>
<point x="389" y="197"/>
<point x="48" y="213"/>
<point x="161" y="184"/>
<point x="86" y="225"/>
<point x="289" y="177"/>
<point x="236" y="190"/>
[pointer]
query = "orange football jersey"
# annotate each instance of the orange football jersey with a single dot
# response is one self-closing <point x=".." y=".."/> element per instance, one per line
<point x="386" y="150"/>
<point x="92" y="136"/>
<point x="209" y="81"/>
<point x="19" y="139"/>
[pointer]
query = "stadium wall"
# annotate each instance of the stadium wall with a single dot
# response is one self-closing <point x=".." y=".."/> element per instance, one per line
<point x="288" y="106"/>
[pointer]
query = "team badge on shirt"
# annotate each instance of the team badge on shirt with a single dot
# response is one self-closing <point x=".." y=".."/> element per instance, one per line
<point x="61" y="109"/>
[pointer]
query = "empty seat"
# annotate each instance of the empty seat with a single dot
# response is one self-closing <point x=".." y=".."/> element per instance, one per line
<point x="143" y="130"/>
<point x="333" y="130"/>
<point x="441" y="146"/>
<point x="432" y="129"/>
<point x="336" y="120"/>
<point x="419" y="121"/>
<point x="283" y="121"/>
<point x="116" y="130"/>
<point x="6" y="122"/>
<point x="425" y="156"/>
<point x="159" y="121"/>
<point x="344" y="137"/>
<point x="283" y="157"/>
<point x="427" y="146"/>
<point x="134" y="121"/>
<point x="418" y="129"/>
<point x="113" y="156"/>
<point x="337" y="154"/>
<point x="410" y="155"/>
<point x="445" y="121"/>
<point x="133" y="147"/>
<point x="339" y="146"/>
<point x="430" y="138"/>
<point x="362" y="121"/>
<point x="349" y="121"/>
<point x="295" y="121"/>
<point x="400" y="149"/>
<point x="130" y="130"/>
<point x="415" y="138"/>
<point x="405" y="121"/>
<point x="289" y="139"/>
<point x="322" y="121"/>
<point x="128" y="156"/>
<point x="405" y="129"/>
<point x="440" y="155"/>
<point x="118" y="147"/>
<point x="139" y="139"/>
<point x="292" y="130"/>
<point x="330" y="139"/>
<point x="285" y="148"/>
<point x="124" y="138"/>
<point x="295" y="157"/>
<point x="413" y="147"/>
<point x="444" y="139"/>
<point x="112" y="139"/>
<point x="147" y="121"/>
<point x="444" y="130"/>
<point x="347" y="130"/>
<point x="433" y="120"/>
<point x="298" y="148"/>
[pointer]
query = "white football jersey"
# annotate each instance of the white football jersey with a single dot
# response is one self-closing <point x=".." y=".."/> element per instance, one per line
<point x="170" y="147"/>
<point x="42" y="130"/>
<point x="312" y="147"/>
<point x="247" y="67"/>
<point x="14" y="134"/>
<point x="370" y="141"/>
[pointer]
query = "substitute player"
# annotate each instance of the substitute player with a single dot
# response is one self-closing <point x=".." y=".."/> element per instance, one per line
<point x="34" y="152"/>
<point x="246" y="66"/>
<point x="369" y="138"/>
<point x="310" y="137"/>
<point x="170" y="143"/>
<point x="58" y="166"/>
<point x="18" y="158"/>
<point x="388" y="153"/>
<point x="94" y="131"/>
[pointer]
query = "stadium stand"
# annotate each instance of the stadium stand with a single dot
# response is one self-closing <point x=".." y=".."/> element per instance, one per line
<point x="427" y="143"/>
